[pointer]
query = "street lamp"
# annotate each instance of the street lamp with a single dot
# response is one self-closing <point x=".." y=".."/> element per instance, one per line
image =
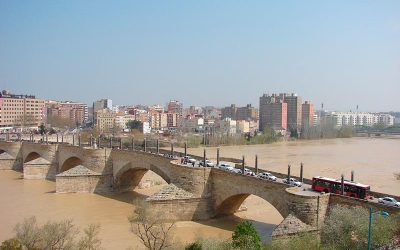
<point x="383" y="213"/>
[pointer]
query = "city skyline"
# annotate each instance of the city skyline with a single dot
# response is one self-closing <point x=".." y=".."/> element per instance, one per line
<point x="342" y="54"/>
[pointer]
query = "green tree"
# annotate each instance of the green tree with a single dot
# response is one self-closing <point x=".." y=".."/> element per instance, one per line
<point x="245" y="236"/>
<point x="134" y="124"/>
<point x="42" y="129"/>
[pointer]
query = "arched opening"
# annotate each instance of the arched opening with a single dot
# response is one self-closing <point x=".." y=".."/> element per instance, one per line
<point x="31" y="156"/>
<point x="236" y="208"/>
<point x="138" y="178"/>
<point x="70" y="163"/>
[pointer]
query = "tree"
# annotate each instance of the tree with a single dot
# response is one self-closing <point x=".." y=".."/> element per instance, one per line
<point x="245" y="236"/>
<point x="154" y="233"/>
<point x="347" y="228"/>
<point x="134" y="124"/>
<point x="42" y="129"/>
<point x="52" y="235"/>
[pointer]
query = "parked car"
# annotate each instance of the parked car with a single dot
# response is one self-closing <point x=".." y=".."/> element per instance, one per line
<point x="389" y="201"/>
<point x="266" y="175"/>
<point x="249" y="172"/>
<point x="292" y="181"/>
<point x="208" y="163"/>
<point x="236" y="170"/>
<point x="224" y="166"/>
<point x="189" y="159"/>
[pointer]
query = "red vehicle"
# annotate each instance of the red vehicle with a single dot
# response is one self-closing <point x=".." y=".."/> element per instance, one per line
<point x="329" y="185"/>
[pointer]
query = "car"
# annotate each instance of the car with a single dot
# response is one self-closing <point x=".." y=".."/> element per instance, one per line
<point x="266" y="175"/>
<point x="208" y="163"/>
<point x="189" y="159"/>
<point x="224" y="166"/>
<point x="389" y="201"/>
<point x="249" y="172"/>
<point x="235" y="170"/>
<point x="292" y="181"/>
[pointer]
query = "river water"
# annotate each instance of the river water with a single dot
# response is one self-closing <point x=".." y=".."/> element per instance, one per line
<point x="374" y="160"/>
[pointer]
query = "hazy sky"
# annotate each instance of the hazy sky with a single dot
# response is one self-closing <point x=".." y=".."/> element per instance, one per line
<point x="341" y="53"/>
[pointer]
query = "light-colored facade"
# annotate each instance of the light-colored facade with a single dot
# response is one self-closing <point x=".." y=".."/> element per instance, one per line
<point x="227" y="126"/>
<point x="121" y="120"/>
<point x="20" y="111"/>
<point x="105" y="121"/>
<point x="340" y="119"/>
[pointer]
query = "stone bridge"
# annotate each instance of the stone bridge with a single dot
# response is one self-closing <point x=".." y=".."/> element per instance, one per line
<point x="193" y="193"/>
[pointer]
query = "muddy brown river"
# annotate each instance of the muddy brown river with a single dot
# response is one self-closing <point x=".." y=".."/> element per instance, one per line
<point x="374" y="160"/>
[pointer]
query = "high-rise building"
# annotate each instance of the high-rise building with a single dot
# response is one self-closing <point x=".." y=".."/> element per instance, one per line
<point x="175" y="107"/>
<point x="20" y="111"/>
<point x="240" y="113"/>
<point x="71" y="113"/>
<point x="307" y="117"/>
<point x="294" y="112"/>
<point x="229" y="112"/>
<point x="100" y="105"/>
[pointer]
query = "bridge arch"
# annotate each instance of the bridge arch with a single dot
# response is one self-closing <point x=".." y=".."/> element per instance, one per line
<point x="231" y="204"/>
<point x="129" y="176"/>
<point x="31" y="156"/>
<point x="69" y="163"/>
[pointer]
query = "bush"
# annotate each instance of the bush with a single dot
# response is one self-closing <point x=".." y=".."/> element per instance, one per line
<point x="245" y="236"/>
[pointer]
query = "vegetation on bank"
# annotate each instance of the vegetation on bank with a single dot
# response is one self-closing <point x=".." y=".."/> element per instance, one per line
<point x="52" y="235"/>
<point x="344" y="228"/>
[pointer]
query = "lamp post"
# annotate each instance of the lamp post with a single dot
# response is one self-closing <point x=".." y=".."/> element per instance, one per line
<point x="383" y="213"/>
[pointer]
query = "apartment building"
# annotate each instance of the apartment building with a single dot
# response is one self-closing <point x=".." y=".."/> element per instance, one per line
<point x="20" y="111"/>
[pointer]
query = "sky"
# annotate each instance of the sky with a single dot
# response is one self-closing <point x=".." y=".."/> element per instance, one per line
<point x="341" y="53"/>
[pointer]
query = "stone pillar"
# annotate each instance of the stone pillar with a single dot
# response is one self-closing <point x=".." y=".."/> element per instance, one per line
<point x="158" y="146"/>
<point x="217" y="156"/>
<point x="145" y="145"/>
<point x="243" y="164"/>
<point x="352" y="175"/>
<point x="73" y="139"/>
<point x="62" y="138"/>
<point x="301" y="172"/>
<point x="288" y="173"/>
<point x="57" y="138"/>
<point x="185" y="149"/>
<point x="256" y="164"/>
<point x="342" y="185"/>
